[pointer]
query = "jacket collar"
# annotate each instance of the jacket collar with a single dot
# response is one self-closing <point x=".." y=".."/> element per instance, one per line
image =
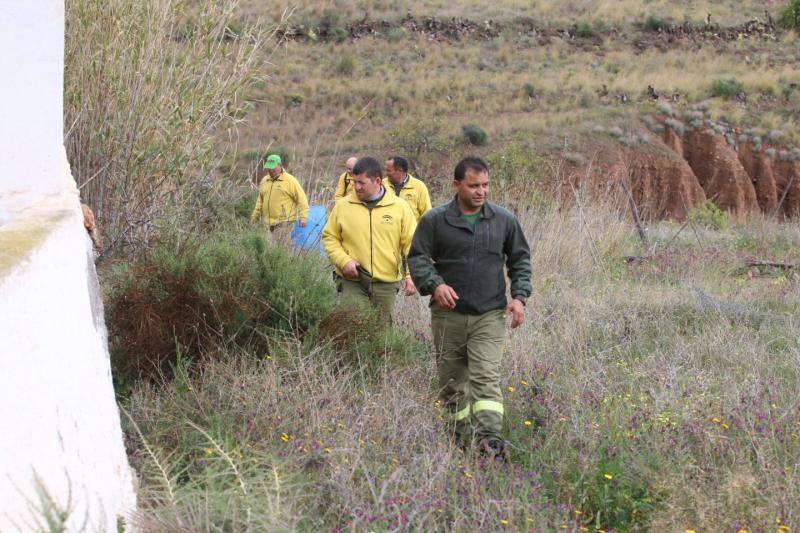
<point x="455" y="218"/>
<point x="389" y="198"/>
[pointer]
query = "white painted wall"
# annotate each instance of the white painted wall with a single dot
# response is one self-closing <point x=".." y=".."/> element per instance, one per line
<point x="31" y="100"/>
<point x="60" y="429"/>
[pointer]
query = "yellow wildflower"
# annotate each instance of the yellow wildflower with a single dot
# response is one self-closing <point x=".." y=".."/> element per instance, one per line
<point x="503" y="522"/>
<point x="208" y="451"/>
<point x="284" y="437"/>
<point x="608" y="476"/>
<point x="716" y="420"/>
<point x="528" y="423"/>
<point x="328" y="450"/>
<point x="510" y="388"/>
<point x="690" y="531"/>
<point x="725" y="426"/>
<point x="523" y="382"/>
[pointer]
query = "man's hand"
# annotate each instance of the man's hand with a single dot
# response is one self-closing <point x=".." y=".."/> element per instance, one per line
<point x="408" y="287"/>
<point x="350" y="270"/>
<point x="517" y="312"/>
<point x="303" y="223"/>
<point x="253" y="220"/>
<point x="445" y="296"/>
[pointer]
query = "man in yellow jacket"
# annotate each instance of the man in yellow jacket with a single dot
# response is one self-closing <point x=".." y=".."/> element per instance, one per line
<point x="367" y="238"/>
<point x="281" y="200"/>
<point x="406" y="186"/>
<point x="345" y="183"/>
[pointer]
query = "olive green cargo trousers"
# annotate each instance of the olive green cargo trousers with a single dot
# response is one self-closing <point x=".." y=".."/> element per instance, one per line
<point x="382" y="294"/>
<point x="469" y="349"/>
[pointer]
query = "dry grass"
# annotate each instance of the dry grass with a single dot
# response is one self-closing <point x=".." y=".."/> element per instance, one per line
<point x="621" y="371"/>
<point x="386" y="86"/>
<point x="548" y="12"/>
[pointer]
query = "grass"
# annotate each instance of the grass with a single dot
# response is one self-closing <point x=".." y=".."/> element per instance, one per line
<point x="631" y="404"/>
<point x="357" y="94"/>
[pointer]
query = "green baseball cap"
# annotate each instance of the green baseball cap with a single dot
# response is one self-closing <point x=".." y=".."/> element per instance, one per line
<point x="272" y="161"/>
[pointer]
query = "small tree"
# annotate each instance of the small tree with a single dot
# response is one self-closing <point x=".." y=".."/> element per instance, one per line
<point x="789" y="17"/>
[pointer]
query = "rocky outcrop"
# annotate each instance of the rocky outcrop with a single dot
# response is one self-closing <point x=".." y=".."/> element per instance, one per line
<point x="663" y="185"/>
<point x="787" y="180"/>
<point x="717" y="167"/>
<point x="759" y="167"/>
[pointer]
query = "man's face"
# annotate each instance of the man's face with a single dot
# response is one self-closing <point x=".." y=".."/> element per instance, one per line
<point x="394" y="174"/>
<point x="275" y="172"/>
<point x="365" y="186"/>
<point x="473" y="190"/>
<point x="349" y="165"/>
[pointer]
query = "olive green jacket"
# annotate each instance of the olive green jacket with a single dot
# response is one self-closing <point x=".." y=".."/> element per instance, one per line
<point x="446" y="249"/>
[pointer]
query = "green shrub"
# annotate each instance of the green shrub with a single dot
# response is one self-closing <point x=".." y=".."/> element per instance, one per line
<point x="583" y="28"/>
<point x="338" y="34"/>
<point x="708" y="214"/>
<point x="187" y="296"/>
<point x="530" y="90"/>
<point x="789" y="15"/>
<point x="397" y="34"/>
<point x="726" y="87"/>
<point x="474" y="134"/>
<point x="654" y="22"/>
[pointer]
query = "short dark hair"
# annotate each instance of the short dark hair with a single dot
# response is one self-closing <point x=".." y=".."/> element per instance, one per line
<point x="475" y="164"/>
<point x="399" y="162"/>
<point x="368" y="166"/>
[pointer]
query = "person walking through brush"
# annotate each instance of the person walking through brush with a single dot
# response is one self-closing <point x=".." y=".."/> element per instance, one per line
<point x="367" y="238"/>
<point x="457" y="256"/>
<point x="281" y="201"/>
<point x="345" y="180"/>
<point x="406" y="186"/>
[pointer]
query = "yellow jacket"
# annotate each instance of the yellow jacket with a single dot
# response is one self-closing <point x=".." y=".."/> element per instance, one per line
<point x="284" y="199"/>
<point x="379" y="239"/>
<point x="343" y="186"/>
<point x="415" y="193"/>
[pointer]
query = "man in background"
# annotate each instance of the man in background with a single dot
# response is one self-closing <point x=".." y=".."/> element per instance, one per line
<point x="406" y="186"/>
<point x="281" y="201"/>
<point x="367" y="238"/>
<point x="344" y="184"/>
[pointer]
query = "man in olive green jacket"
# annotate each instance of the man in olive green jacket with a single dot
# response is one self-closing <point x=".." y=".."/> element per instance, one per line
<point x="457" y="256"/>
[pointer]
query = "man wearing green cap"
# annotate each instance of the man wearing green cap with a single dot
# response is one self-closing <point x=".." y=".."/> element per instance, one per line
<point x="281" y="200"/>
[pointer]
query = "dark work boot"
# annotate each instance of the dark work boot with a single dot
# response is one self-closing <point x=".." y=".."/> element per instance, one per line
<point x="494" y="449"/>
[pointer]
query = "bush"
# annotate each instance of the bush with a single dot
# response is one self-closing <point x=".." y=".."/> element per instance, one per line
<point x="474" y="134"/>
<point x="185" y="297"/>
<point x="397" y="34"/>
<point x="584" y="29"/>
<point x="140" y="136"/>
<point x="654" y="23"/>
<point x="709" y="215"/>
<point x="530" y="90"/>
<point x="726" y="87"/>
<point x="338" y="34"/>
<point x="789" y="15"/>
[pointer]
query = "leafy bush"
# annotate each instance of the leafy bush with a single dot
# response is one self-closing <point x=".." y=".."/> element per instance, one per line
<point x="583" y="28"/>
<point x="654" y="22"/>
<point x="338" y="34"/>
<point x="397" y="34"/>
<point x="182" y="296"/>
<point x="474" y="134"/>
<point x="708" y="214"/>
<point x="530" y="90"/>
<point x="726" y="87"/>
<point x="789" y="15"/>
